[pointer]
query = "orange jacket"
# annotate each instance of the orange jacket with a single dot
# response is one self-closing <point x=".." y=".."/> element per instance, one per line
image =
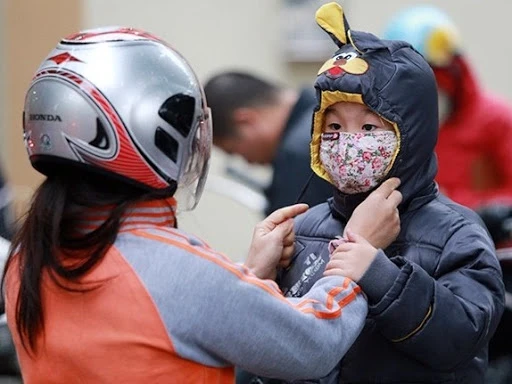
<point x="162" y="307"/>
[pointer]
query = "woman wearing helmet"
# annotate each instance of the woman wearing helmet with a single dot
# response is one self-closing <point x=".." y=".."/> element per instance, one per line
<point x="100" y="285"/>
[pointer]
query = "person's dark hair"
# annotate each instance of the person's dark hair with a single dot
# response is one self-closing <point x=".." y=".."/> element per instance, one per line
<point x="228" y="91"/>
<point x="50" y="233"/>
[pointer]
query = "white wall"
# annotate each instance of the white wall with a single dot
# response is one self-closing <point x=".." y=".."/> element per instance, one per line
<point x="218" y="34"/>
<point x="210" y="34"/>
<point x="483" y="27"/>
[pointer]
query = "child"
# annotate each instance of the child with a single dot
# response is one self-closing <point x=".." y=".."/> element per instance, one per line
<point x="436" y="293"/>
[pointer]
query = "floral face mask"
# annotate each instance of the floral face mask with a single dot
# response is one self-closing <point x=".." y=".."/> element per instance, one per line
<point x="357" y="162"/>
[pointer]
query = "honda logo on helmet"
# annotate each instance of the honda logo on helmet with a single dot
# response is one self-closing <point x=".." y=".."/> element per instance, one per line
<point x="44" y="117"/>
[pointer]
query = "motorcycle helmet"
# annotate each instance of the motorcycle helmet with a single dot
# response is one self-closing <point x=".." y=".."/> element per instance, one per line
<point x="429" y="30"/>
<point x="121" y="102"/>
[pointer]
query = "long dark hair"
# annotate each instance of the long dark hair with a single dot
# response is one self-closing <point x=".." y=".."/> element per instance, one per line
<point x="49" y="229"/>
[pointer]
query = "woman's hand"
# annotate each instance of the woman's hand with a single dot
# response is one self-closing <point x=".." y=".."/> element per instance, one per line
<point x="273" y="242"/>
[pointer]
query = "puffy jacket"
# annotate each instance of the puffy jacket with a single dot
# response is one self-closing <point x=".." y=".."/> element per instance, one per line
<point x="436" y="294"/>
<point x="163" y="307"/>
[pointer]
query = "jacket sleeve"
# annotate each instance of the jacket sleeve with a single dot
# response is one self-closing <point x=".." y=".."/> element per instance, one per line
<point x="290" y="339"/>
<point x="441" y="321"/>
<point x="233" y="318"/>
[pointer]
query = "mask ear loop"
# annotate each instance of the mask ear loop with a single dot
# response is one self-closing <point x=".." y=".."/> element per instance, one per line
<point x="304" y="188"/>
<point x="306" y="185"/>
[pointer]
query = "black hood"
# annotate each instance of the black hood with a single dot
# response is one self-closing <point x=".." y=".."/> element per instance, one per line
<point x="395" y="82"/>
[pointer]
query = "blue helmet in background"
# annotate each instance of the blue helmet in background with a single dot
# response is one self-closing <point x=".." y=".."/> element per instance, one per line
<point x="429" y="30"/>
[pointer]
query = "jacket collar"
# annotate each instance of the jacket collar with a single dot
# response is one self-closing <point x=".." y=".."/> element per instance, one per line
<point x="141" y="214"/>
<point x="343" y="205"/>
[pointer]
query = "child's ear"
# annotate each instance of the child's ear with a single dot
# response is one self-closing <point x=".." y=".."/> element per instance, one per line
<point x="331" y="19"/>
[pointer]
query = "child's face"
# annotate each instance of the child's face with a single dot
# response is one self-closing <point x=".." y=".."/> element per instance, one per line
<point x="353" y="118"/>
<point x="357" y="147"/>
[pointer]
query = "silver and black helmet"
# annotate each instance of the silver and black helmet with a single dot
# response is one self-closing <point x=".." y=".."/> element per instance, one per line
<point x="122" y="102"/>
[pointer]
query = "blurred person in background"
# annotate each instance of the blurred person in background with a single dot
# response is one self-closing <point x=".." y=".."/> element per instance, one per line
<point x="101" y="286"/>
<point x="474" y="148"/>
<point x="266" y="123"/>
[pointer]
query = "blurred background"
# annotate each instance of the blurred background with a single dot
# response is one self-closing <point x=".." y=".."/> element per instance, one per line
<point x="274" y="38"/>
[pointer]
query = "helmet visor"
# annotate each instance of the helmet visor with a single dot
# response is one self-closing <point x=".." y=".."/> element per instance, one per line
<point x="193" y="176"/>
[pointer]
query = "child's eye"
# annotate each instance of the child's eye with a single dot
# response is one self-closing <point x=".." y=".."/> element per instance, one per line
<point x="334" y="126"/>
<point x="369" y="127"/>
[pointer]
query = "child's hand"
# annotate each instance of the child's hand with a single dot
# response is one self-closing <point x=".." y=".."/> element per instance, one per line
<point x="273" y="242"/>
<point x="351" y="259"/>
<point x="376" y="218"/>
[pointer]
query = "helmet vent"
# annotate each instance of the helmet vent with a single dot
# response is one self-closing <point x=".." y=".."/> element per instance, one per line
<point x="178" y="111"/>
<point x="167" y="144"/>
<point x="101" y="139"/>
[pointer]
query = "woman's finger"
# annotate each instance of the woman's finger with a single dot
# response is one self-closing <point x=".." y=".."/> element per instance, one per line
<point x="286" y="256"/>
<point x="283" y="214"/>
<point x="289" y="239"/>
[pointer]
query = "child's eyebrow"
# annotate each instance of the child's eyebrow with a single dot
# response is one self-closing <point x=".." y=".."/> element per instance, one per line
<point x="368" y="111"/>
<point x="329" y="110"/>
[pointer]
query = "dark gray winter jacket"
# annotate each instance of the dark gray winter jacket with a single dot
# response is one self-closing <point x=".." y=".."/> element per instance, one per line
<point x="436" y="294"/>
